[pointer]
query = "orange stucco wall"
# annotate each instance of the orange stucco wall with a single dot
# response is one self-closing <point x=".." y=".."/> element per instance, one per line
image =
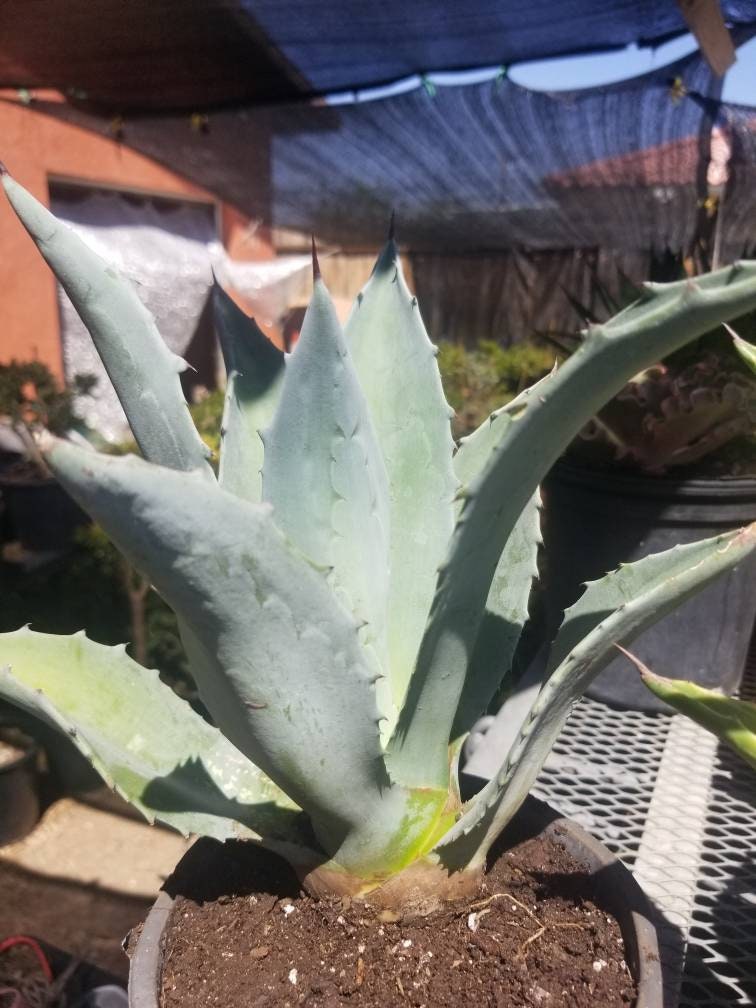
<point x="35" y="147"/>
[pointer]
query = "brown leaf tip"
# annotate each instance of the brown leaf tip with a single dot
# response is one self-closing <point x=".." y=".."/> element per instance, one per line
<point x="3" y="169"/>
<point x="392" y="223"/>
<point x="315" y="263"/>
<point x="642" y="668"/>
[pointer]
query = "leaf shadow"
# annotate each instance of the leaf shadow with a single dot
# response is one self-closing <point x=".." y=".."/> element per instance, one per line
<point x="189" y="788"/>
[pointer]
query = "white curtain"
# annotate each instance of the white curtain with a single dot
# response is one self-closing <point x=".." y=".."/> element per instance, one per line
<point x="270" y="287"/>
<point x="166" y="248"/>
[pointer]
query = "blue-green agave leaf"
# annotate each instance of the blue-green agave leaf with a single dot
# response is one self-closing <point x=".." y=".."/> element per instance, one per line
<point x="145" y="742"/>
<point x="324" y="474"/>
<point x="398" y="373"/>
<point x="144" y="372"/>
<point x="540" y="428"/>
<point x="281" y="669"/>
<point x="506" y="609"/>
<point x="612" y="610"/>
<point x="459" y="670"/>
<point x="254" y="370"/>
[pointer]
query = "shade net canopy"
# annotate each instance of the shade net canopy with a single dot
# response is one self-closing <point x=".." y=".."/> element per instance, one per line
<point x="340" y="45"/>
<point x="485" y="167"/>
<point x="153" y="55"/>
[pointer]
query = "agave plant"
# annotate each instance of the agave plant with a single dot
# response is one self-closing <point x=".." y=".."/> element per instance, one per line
<point x="729" y="718"/>
<point x="350" y="590"/>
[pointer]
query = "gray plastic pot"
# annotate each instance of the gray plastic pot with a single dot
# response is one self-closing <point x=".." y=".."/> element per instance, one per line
<point x="70" y="773"/>
<point x="40" y="513"/>
<point x="19" y="787"/>
<point x="611" y="885"/>
<point x="596" y="519"/>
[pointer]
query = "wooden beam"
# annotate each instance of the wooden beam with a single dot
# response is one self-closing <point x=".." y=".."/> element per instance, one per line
<point x="705" y="20"/>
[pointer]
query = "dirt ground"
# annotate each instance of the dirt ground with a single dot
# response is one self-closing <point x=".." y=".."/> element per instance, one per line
<point x="82" y="879"/>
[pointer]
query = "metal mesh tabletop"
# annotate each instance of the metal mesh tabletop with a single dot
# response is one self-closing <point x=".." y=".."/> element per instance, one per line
<point x="680" y="810"/>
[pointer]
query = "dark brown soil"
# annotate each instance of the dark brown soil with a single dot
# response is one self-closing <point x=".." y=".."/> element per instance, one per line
<point x="245" y="937"/>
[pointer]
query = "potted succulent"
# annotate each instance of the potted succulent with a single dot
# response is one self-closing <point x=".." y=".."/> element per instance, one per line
<point x="349" y="592"/>
<point x="670" y="458"/>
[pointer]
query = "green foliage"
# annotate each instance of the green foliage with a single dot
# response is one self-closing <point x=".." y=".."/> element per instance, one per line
<point x="29" y="394"/>
<point x="346" y="631"/>
<point x="615" y="608"/>
<point x="479" y="380"/>
<point x="206" y="414"/>
<point x="176" y="753"/>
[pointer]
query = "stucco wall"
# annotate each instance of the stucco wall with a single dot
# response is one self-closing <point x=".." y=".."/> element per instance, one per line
<point x="36" y="147"/>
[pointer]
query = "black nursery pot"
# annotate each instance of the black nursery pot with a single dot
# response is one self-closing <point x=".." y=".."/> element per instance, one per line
<point x="612" y="886"/>
<point x="19" y="787"/>
<point x="40" y="513"/>
<point x="596" y="519"/>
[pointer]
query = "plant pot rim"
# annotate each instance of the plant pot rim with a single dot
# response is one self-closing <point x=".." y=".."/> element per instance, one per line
<point x="615" y="480"/>
<point x="623" y="896"/>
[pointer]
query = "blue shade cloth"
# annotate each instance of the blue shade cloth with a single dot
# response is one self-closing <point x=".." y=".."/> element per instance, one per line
<point x="486" y="167"/>
<point x="493" y="165"/>
<point x="146" y="57"/>
<point x="505" y="198"/>
<point x="343" y="44"/>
